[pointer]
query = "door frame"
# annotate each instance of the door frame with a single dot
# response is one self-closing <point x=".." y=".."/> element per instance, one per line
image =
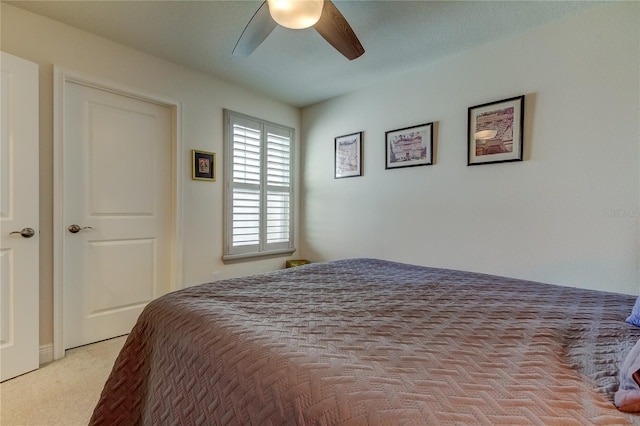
<point x="61" y="77"/>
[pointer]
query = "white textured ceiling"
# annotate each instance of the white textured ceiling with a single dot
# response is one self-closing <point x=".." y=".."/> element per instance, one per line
<point x="298" y="66"/>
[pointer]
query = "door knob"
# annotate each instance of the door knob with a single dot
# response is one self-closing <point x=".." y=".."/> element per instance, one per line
<point x="25" y="232"/>
<point x="74" y="229"/>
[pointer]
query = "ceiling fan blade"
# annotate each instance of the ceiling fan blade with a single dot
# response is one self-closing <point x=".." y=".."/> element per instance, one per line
<point x="256" y="31"/>
<point x="337" y="31"/>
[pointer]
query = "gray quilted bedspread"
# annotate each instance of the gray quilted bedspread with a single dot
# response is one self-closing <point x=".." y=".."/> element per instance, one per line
<point x="370" y="342"/>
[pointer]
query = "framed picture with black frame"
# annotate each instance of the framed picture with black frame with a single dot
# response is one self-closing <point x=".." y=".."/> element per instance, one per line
<point x="409" y="147"/>
<point x="348" y="155"/>
<point x="203" y="165"/>
<point x="495" y="132"/>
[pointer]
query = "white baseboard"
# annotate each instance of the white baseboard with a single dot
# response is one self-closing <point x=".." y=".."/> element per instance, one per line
<point x="46" y="354"/>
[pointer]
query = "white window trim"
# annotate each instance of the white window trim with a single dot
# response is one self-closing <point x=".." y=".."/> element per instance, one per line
<point x="283" y="249"/>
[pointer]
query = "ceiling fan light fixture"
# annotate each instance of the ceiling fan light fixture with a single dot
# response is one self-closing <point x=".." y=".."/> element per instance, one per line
<point x="295" y="14"/>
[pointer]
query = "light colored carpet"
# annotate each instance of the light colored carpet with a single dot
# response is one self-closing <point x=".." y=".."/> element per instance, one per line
<point x="63" y="392"/>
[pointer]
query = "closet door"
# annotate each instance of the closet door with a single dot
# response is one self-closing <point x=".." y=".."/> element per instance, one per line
<point x="19" y="218"/>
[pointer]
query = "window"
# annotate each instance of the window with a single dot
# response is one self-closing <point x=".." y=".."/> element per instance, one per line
<point x="259" y="195"/>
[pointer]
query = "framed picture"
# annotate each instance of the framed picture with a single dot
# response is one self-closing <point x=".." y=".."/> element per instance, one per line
<point x="408" y="147"/>
<point x="203" y="165"/>
<point x="348" y="155"/>
<point x="495" y="132"/>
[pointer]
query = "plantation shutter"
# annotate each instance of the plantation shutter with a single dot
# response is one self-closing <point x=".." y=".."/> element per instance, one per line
<point x="278" y="187"/>
<point x="259" y="189"/>
<point x="246" y="185"/>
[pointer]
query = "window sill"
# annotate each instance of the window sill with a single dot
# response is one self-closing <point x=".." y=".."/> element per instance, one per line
<point x="231" y="258"/>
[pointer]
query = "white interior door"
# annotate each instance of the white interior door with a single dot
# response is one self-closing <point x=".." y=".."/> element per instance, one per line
<point x="19" y="218"/>
<point x="117" y="210"/>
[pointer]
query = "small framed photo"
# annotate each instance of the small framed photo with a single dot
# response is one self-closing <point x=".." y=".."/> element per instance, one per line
<point x="348" y="156"/>
<point x="203" y="165"/>
<point x="495" y="132"/>
<point x="408" y="147"/>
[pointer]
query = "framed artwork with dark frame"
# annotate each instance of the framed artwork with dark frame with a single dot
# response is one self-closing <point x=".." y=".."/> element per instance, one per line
<point x="409" y="147"/>
<point x="495" y="132"/>
<point x="348" y="156"/>
<point x="203" y="165"/>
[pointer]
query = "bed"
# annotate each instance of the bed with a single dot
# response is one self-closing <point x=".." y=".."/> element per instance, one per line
<point x="372" y="342"/>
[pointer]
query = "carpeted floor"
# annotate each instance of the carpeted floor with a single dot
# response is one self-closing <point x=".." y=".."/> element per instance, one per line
<point x="63" y="392"/>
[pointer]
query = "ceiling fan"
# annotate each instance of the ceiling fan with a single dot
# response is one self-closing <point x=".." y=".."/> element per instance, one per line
<point x="323" y="15"/>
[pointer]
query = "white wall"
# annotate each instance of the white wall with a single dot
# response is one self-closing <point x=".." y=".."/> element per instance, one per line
<point x="47" y="42"/>
<point x="552" y="218"/>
